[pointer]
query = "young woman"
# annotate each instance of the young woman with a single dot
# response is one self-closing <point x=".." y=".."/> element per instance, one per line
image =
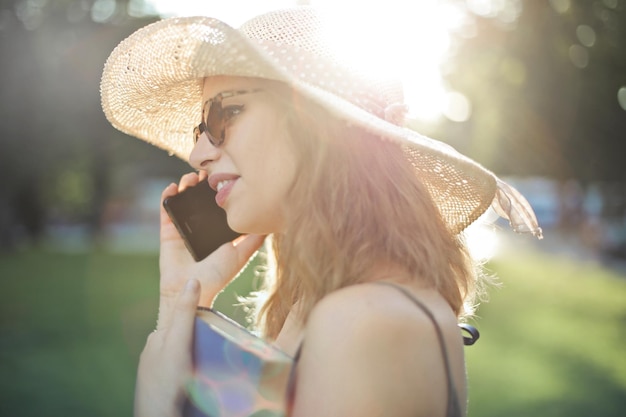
<point x="363" y="218"/>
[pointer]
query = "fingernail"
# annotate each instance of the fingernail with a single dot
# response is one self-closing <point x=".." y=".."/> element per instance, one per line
<point x="191" y="286"/>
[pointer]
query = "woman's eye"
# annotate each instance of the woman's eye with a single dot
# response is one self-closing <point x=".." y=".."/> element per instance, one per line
<point x="231" y="111"/>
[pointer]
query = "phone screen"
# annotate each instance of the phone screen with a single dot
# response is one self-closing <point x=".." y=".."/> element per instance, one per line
<point x="200" y="221"/>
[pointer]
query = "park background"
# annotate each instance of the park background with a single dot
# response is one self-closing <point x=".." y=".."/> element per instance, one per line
<point x="535" y="90"/>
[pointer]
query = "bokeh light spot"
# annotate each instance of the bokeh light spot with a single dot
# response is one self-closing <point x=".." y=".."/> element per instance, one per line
<point x="483" y="8"/>
<point x="611" y="4"/>
<point x="621" y="97"/>
<point x="30" y="13"/>
<point x="586" y="35"/>
<point x="579" y="56"/>
<point x="505" y="12"/>
<point x="560" y="6"/>
<point x="459" y="108"/>
<point x="102" y="10"/>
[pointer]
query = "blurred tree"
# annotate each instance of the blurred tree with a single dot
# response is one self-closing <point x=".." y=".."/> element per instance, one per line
<point x="543" y="78"/>
<point x="60" y="156"/>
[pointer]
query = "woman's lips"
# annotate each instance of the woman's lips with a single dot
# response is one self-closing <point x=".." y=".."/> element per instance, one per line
<point x="223" y="184"/>
<point x="223" y="190"/>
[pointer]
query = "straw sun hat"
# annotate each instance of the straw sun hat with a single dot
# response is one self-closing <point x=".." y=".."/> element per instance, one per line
<point x="152" y="89"/>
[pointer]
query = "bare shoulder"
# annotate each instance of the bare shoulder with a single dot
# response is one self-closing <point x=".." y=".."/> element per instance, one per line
<point x="380" y="308"/>
<point x="360" y="338"/>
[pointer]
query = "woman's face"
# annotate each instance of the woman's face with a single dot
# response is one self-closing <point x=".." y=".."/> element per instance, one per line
<point x="253" y="169"/>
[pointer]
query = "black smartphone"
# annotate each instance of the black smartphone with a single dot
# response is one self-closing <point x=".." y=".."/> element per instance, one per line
<point x="200" y="221"/>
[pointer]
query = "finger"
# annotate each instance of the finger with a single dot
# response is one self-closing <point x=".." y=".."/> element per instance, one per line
<point x="167" y="229"/>
<point x="188" y="180"/>
<point x="169" y="191"/>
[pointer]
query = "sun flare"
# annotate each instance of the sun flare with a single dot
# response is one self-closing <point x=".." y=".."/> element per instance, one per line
<point x="411" y="37"/>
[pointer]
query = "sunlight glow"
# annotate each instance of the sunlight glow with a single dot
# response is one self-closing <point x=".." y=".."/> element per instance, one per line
<point x="233" y="12"/>
<point x="482" y="238"/>
<point x="411" y="37"/>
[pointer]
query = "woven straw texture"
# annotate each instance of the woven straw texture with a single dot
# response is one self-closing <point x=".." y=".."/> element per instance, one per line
<point x="152" y="89"/>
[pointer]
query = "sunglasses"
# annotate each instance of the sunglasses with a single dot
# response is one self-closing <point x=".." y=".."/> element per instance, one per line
<point x="214" y="118"/>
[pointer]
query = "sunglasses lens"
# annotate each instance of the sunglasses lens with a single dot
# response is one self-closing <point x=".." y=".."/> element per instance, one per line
<point x="197" y="131"/>
<point x="215" y="123"/>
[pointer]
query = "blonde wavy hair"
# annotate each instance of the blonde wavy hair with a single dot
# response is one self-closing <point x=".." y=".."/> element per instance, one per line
<point x="354" y="203"/>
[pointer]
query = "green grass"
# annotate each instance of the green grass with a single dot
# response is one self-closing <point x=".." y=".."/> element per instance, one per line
<point x="552" y="341"/>
<point x="72" y="327"/>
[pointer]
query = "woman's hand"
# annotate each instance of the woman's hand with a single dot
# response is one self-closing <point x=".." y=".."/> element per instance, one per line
<point x="177" y="265"/>
<point x="165" y="363"/>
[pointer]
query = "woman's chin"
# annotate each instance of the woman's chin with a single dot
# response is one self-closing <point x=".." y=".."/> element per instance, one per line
<point x="253" y="223"/>
<point x="242" y="227"/>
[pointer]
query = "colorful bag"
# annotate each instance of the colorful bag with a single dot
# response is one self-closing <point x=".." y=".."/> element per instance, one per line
<point x="236" y="373"/>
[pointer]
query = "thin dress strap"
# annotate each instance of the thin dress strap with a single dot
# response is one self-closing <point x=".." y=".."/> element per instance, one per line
<point x="453" y="408"/>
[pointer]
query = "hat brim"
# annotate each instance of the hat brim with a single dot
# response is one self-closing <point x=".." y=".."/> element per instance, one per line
<point x="152" y="88"/>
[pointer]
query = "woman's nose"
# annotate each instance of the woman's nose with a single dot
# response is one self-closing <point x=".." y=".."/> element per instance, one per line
<point x="203" y="153"/>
